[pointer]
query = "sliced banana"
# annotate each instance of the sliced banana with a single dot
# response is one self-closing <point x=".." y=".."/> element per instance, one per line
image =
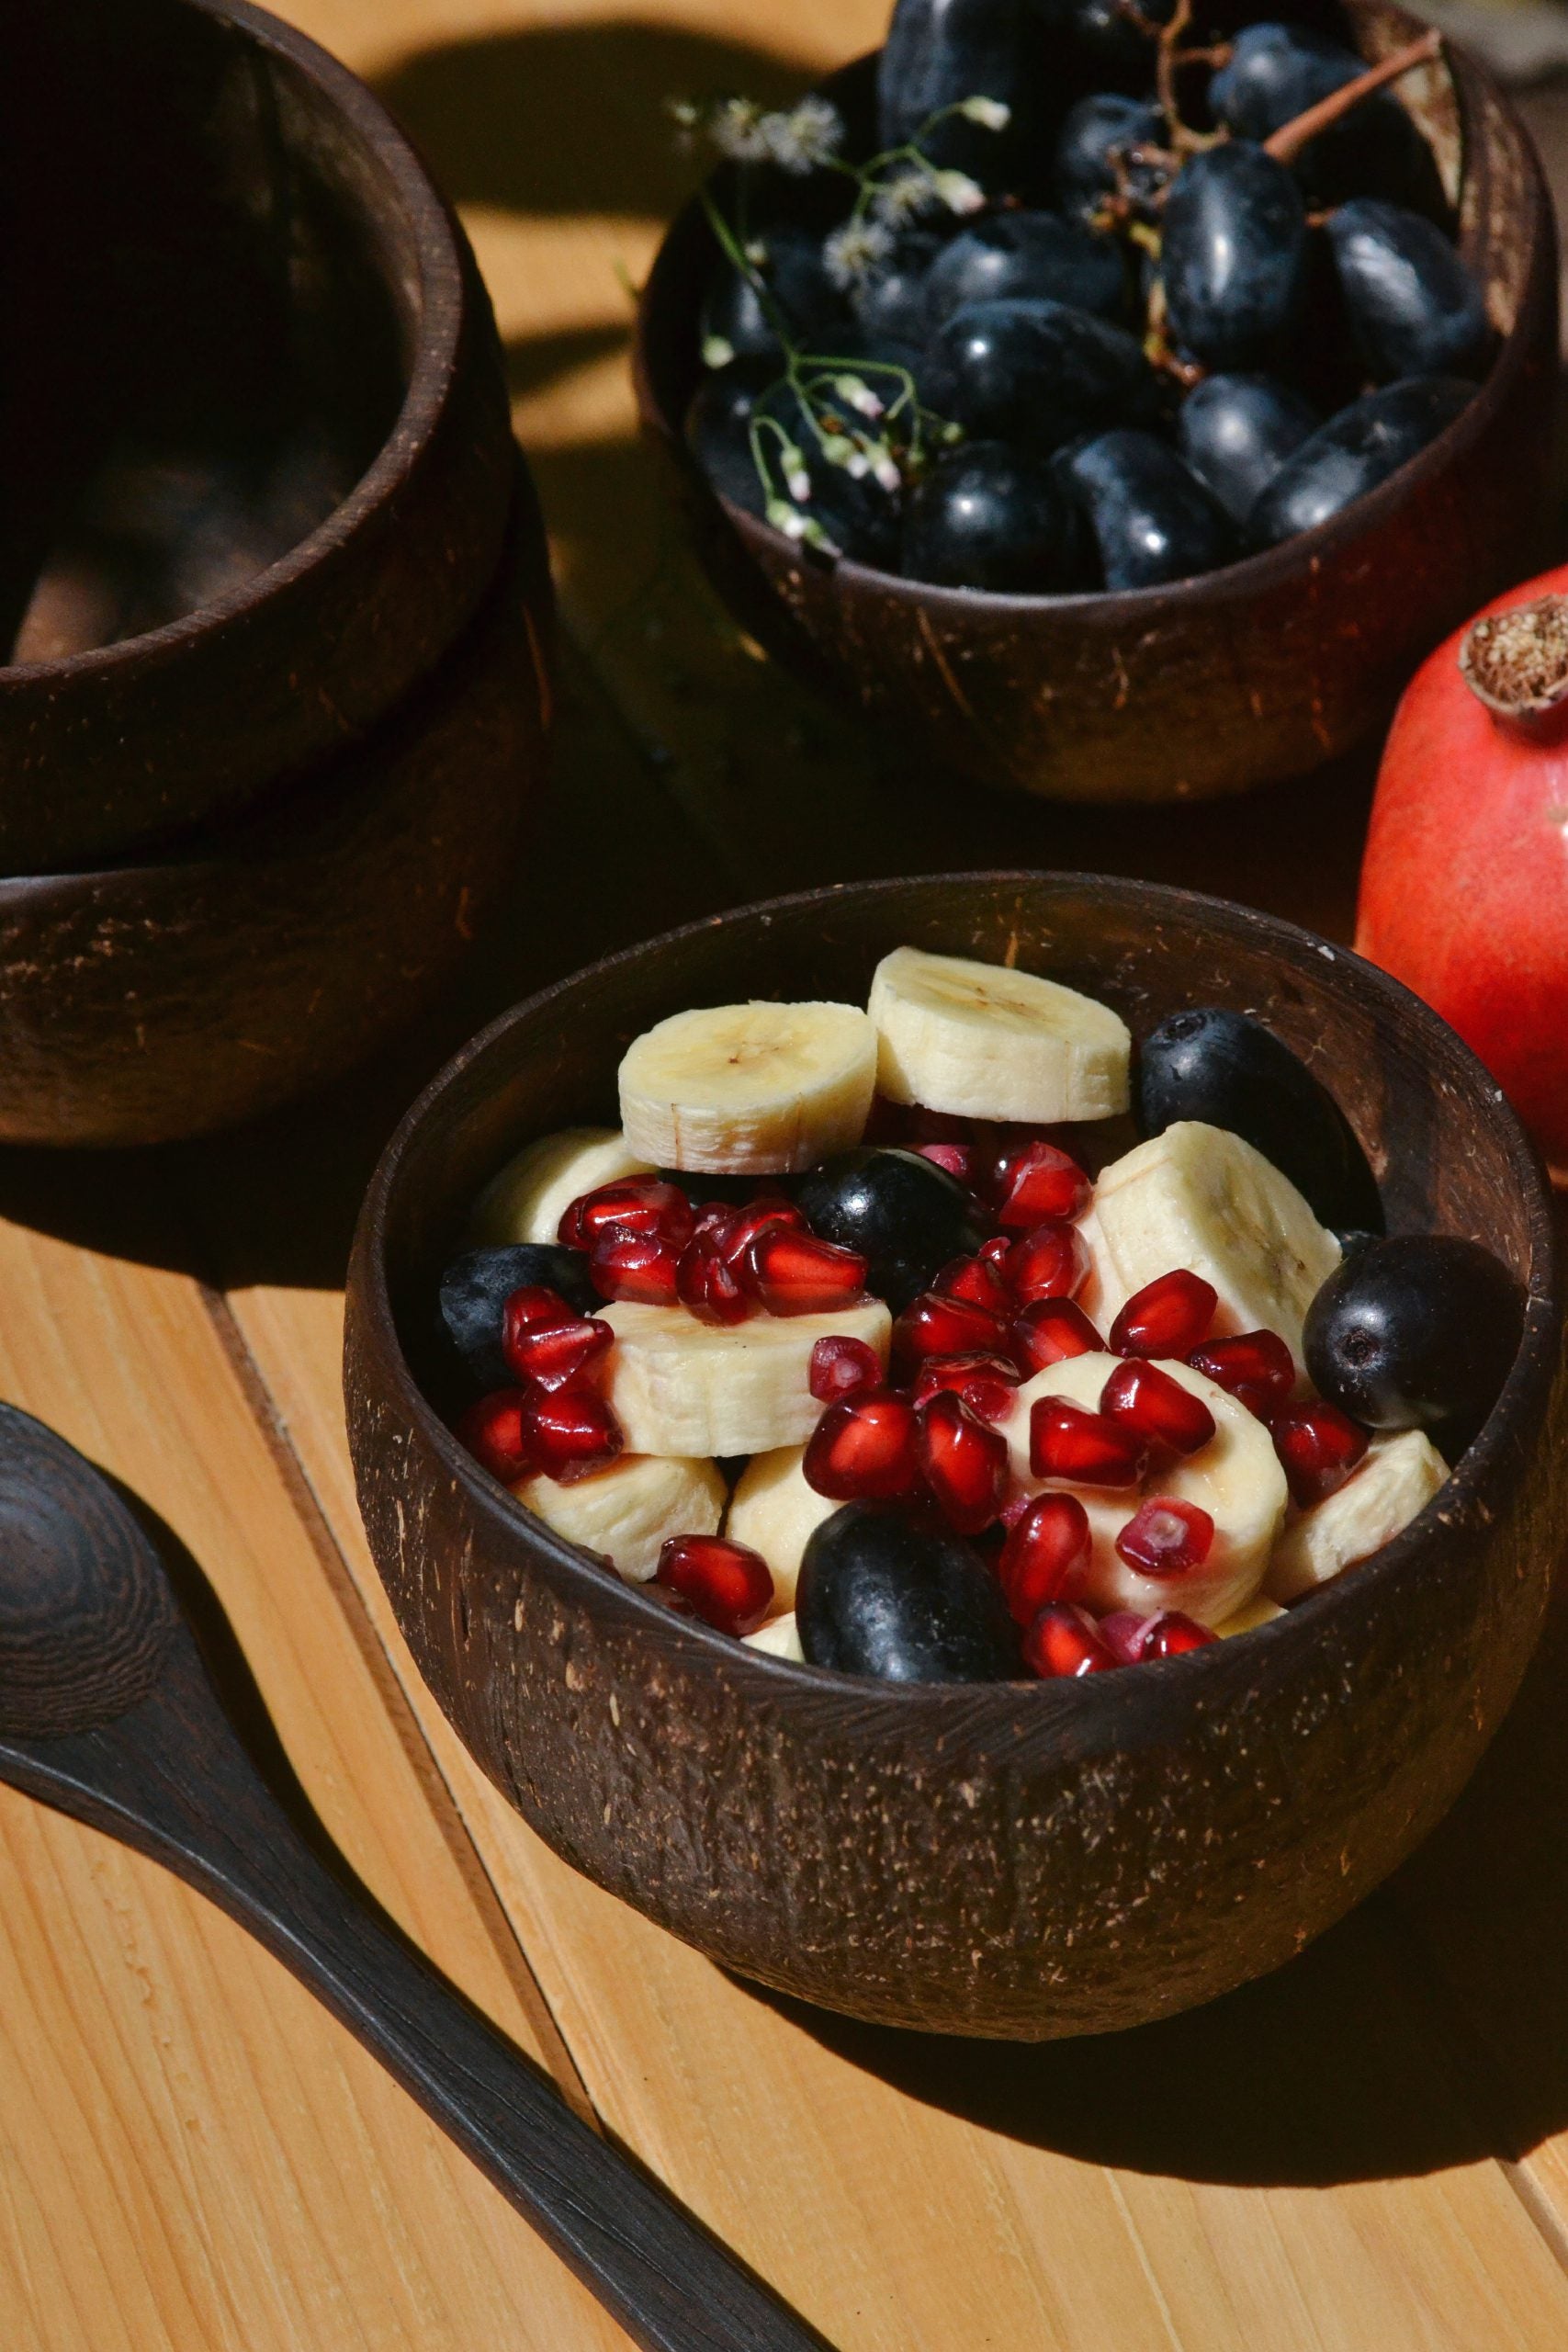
<point x="678" y="1386"/>
<point x="1236" y="1479"/>
<point x="749" y="1089"/>
<point x="1200" y="1197"/>
<point x="630" y="1512"/>
<point x="1398" y="1478"/>
<point x="774" y="1512"/>
<point x="1257" y="1612"/>
<point x="989" y="1043"/>
<point x="526" y="1200"/>
<point x="1102" y="1294"/>
<point x="780" y="1637"/>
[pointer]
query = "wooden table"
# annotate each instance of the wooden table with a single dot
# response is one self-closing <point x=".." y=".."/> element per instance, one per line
<point x="1370" y="2150"/>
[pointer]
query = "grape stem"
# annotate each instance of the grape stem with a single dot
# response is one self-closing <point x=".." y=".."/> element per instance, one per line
<point x="1286" y="143"/>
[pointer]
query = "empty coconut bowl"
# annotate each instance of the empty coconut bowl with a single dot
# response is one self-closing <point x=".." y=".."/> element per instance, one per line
<point x="1013" y="1860"/>
<point x="1231" y="679"/>
<point x="257" y="463"/>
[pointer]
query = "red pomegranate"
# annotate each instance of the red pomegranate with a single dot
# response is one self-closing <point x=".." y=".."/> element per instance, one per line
<point x="1464" y="886"/>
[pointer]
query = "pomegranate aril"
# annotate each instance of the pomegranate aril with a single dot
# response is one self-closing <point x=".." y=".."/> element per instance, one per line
<point x="1156" y="1407"/>
<point x="725" y="1584"/>
<point x="1170" y="1317"/>
<point x="548" y="1355"/>
<point x="964" y="1462"/>
<point x="496" y="1433"/>
<point x="1064" y="1642"/>
<point x="1319" y="1446"/>
<point x="864" y="1446"/>
<point x="793" y="1274"/>
<point x="1052" y="1261"/>
<point x="842" y="1367"/>
<point x="987" y="1384"/>
<point x="1085" y="1449"/>
<point x="1035" y="1181"/>
<point x="1045" y="1551"/>
<point x="958" y="1159"/>
<point x="632" y="1204"/>
<point x="1123" y="1633"/>
<point x="642" y="1266"/>
<point x="1256" y="1368"/>
<point x="707" y="1284"/>
<point x="1167" y="1537"/>
<point x="735" y="1230"/>
<point x="978" y="1280"/>
<point x="1050" y="1330"/>
<point x="935" y="1325"/>
<point x="1172" y="1634"/>
<point x="573" y="1433"/>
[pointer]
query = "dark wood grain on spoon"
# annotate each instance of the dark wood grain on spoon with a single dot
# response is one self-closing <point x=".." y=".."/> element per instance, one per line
<point x="108" y="1711"/>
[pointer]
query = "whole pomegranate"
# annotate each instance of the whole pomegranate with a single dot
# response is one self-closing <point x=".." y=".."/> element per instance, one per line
<point x="1464" y="885"/>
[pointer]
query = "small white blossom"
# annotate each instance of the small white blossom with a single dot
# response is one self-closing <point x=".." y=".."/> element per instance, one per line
<point x="756" y="252"/>
<point x="885" y="468"/>
<point x="798" y="526"/>
<point x="839" y="450"/>
<point x="904" y="196"/>
<point x="738" y="129"/>
<point x="808" y="135"/>
<point x="858" y="395"/>
<point x="797" y="482"/>
<point x="958" y="191"/>
<point x="854" y="250"/>
<point x="989" y="113"/>
<point x="717" y="351"/>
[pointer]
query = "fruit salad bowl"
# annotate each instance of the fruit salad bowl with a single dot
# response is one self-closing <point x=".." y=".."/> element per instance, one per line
<point x="999" y="1858"/>
<point x="1239" y="676"/>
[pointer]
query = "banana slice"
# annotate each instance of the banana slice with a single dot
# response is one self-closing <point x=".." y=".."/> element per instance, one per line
<point x="1236" y="1479"/>
<point x="1102" y="1294"/>
<point x="1398" y="1478"/>
<point x="681" y="1386"/>
<point x="526" y="1200"/>
<point x="749" y="1089"/>
<point x="993" y="1043"/>
<point x="1200" y="1197"/>
<point x="774" y="1512"/>
<point x="780" y="1637"/>
<point x="1257" y="1612"/>
<point x="630" y="1512"/>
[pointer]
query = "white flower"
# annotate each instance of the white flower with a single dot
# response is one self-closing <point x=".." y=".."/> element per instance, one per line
<point x="717" y="351"/>
<point x="905" y="194"/>
<point x="798" y="526"/>
<point x="797" y="482"/>
<point x="989" y="113"/>
<point x="858" y="395"/>
<point x="811" y="134"/>
<point x="884" y="466"/>
<point x="854" y="250"/>
<point x="738" y="129"/>
<point x="839" y="450"/>
<point x="958" y="191"/>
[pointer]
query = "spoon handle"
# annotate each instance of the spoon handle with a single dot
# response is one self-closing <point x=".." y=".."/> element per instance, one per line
<point x="174" y="1779"/>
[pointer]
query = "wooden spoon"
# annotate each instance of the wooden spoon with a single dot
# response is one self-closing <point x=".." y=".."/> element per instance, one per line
<point x="108" y="1711"/>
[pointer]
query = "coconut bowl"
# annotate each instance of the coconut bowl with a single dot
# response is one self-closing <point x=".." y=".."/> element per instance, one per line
<point x="1008" y="1860"/>
<point x="1241" y="676"/>
<point x="258" y="464"/>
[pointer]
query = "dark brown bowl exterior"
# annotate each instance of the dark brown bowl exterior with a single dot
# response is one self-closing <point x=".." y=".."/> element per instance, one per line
<point x="1026" y="1861"/>
<point x="1237" y="678"/>
<point x="164" y="146"/>
<point x="144" y="1003"/>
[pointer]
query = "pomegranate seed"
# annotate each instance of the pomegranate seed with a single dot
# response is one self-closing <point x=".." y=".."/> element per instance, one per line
<point x="1050" y="1329"/>
<point x="965" y="1462"/>
<point x="842" y="1367"/>
<point x="497" y="1435"/>
<point x="934" y="1325"/>
<point x="1172" y="1634"/>
<point x="793" y="1274"/>
<point x="532" y="1304"/>
<point x="1064" y="1642"/>
<point x="958" y="1159"/>
<point x="725" y="1584"/>
<point x="1319" y="1446"/>
<point x="573" y="1431"/>
<point x="864" y="1446"/>
<point x="1165" y="1538"/>
<point x="1159" y="1408"/>
<point x="1050" y="1262"/>
<point x="1088" y="1449"/>
<point x="1047" y="1547"/>
<point x="1034" y="1181"/>
<point x="1123" y="1633"/>
<point x="979" y="1280"/>
<point x="632" y="1204"/>
<point x="986" y="1383"/>
<point x="708" y="1285"/>
<point x="1256" y="1368"/>
<point x="643" y="1266"/>
<point x="1170" y="1317"/>
<point x="735" y="1229"/>
<point x="548" y="1355"/>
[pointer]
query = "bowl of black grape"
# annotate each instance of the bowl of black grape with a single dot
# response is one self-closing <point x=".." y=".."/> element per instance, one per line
<point x="1114" y="401"/>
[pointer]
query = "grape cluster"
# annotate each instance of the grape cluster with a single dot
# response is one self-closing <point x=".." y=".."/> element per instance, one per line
<point x="1120" y="296"/>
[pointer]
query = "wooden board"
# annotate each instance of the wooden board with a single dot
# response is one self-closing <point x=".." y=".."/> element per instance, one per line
<point x="1369" y="2149"/>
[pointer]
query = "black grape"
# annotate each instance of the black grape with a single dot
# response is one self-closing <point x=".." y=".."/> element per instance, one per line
<point x="989" y="516"/>
<point x="1152" y="520"/>
<point x="1035" y="372"/>
<point x="1415" y="307"/>
<point x="1353" y="452"/>
<point x="1233" y="255"/>
<point x="1018" y="255"/>
<point x="1236" y="432"/>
